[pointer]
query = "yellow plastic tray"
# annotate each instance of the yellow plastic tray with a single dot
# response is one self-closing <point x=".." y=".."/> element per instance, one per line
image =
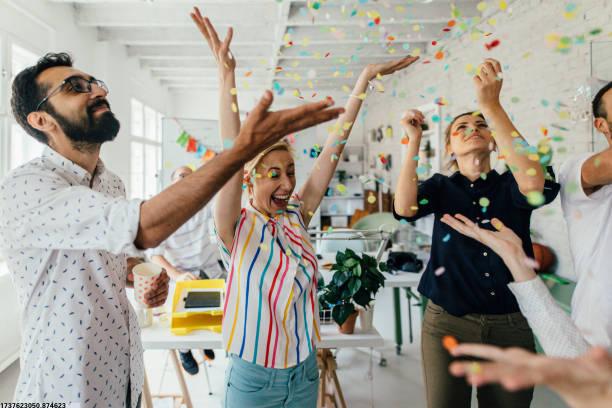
<point x="184" y="322"/>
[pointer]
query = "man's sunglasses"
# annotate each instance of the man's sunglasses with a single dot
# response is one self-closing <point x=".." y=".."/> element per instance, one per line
<point x="77" y="84"/>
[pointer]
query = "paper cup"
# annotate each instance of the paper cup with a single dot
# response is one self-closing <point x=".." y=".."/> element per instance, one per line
<point x="144" y="275"/>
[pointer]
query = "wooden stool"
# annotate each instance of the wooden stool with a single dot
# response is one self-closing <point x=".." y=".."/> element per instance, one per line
<point x="177" y="399"/>
<point x="330" y="392"/>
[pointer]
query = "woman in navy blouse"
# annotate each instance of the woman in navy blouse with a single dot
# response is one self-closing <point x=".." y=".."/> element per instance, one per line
<point x="465" y="282"/>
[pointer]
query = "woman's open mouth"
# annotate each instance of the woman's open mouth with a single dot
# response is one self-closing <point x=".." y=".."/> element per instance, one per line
<point x="281" y="200"/>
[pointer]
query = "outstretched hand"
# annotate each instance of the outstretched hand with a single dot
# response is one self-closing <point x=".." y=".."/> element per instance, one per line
<point x="585" y="381"/>
<point x="503" y="241"/>
<point x="387" y="68"/>
<point x="263" y="128"/>
<point x="221" y="50"/>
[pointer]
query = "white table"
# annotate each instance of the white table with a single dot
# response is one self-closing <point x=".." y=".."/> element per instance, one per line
<point x="158" y="337"/>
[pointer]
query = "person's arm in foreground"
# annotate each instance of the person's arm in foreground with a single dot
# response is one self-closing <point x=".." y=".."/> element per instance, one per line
<point x="583" y="382"/>
<point x="528" y="173"/>
<point x="314" y="188"/>
<point x="554" y="328"/>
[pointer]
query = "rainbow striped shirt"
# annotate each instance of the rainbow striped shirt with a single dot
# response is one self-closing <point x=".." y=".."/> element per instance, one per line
<point x="271" y="312"/>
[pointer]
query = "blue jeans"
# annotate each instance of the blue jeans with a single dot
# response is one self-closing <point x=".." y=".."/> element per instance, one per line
<point x="251" y="385"/>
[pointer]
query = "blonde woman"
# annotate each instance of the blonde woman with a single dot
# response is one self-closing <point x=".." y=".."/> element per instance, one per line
<point x="270" y="321"/>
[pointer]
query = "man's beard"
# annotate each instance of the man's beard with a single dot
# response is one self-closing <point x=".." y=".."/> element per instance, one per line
<point x="89" y="132"/>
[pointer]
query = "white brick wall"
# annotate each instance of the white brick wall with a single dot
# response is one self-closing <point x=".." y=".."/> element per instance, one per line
<point x="543" y="74"/>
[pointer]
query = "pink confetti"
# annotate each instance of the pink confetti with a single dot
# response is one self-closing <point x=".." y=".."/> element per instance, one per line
<point x="439" y="271"/>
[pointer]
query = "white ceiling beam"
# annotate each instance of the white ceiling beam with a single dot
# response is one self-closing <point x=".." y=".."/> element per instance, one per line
<point x="182" y="51"/>
<point x="283" y="10"/>
<point x="179" y="35"/>
<point x="144" y="14"/>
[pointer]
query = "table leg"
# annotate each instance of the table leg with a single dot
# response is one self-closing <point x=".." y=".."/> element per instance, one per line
<point x="181" y="379"/>
<point x="147" y="400"/>
<point x="398" y="320"/>
<point x="409" y="298"/>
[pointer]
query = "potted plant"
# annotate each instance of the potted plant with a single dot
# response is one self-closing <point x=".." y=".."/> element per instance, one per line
<point x="355" y="282"/>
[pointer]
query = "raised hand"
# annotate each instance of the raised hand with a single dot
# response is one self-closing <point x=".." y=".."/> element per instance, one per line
<point x="387" y="68"/>
<point x="221" y="50"/>
<point x="411" y="122"/>
<point x="263" y="128"/>
<point x="488" y="83"/>
<point x="585" y="381"/>
<point x="503" y="241"/>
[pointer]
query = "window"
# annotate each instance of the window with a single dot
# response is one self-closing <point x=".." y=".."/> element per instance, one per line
<point x="145" y="150"/>
<point x="16" y="146"/>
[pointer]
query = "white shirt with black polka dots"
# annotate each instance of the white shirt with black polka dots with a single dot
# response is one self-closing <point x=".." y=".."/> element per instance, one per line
<point x="66" y="245"/>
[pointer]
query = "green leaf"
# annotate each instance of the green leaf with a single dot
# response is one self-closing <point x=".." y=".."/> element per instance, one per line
<point x="340" y="278"/>
<point x="362" y="298"/>
<point x="354" y="285"/>
<point x="357" y="270"/>
<point x="383" y="267"/>
<point x="342" y="311"/>
<point x="351" y="262"/>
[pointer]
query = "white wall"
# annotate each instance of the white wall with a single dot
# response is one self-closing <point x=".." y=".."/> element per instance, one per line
<point x="43" y="27"/>
<point x="533" y="72"/>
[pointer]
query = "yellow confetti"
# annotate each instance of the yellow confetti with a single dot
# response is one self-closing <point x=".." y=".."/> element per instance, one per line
<point x="233" y="91"/>
<point x="531" y="172"/>
<point x="341" y="188"/>
<point x="416" y="27"/>
<point x="263" y="246"/>
<point x="497" y="224"/>
<point x="346" y="89"/>
<point x="503" y="5"/>
<point x="234" y="107"/>
<point x="492" y="22"/>
<point x="482" y="6"/>
<point x="362" y="96"/>
<point x="534" y="157"/>
<point x="347" y="125"/>
<point x="514" y="133"/>
<point x="371" y="199"/>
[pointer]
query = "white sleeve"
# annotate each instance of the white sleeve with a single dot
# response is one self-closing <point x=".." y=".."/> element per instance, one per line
<point x="570" y="178"/>
<point x="554" y="328"/>
<point x="45" y="211"/>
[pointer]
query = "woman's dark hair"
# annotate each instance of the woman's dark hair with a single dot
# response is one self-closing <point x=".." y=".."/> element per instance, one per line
<point x="452" y="163"/>
<point x="599" y="110"/>
<point x="27" y="92"/>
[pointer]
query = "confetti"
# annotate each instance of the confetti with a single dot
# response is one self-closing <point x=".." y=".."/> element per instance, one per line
<point x="341" y="188"/>
<point x="497" y="224"/>
<point x="449" y="343"/>
<point x="424" y="201"/>
<point x="484" y="202"/>
<point x="263" y="247"/>
<point x="446" y="238"/>
<point x="492" y="44"/>
<point x="234" y="107"/>
<point x="535" y="198"/>
<point x="531" y="172"/>
<point x="439" y="271"/>
<point x="371" y="199"/>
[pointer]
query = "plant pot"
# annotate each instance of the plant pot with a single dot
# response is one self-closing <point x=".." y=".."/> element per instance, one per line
<point x="366" y="318"/>
<point x="348" y="327"/>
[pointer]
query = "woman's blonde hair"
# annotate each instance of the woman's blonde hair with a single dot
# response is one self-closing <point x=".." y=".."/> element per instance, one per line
<point x="249" y="168"/>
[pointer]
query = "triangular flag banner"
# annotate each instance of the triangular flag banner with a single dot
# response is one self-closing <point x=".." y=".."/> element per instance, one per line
<point x="191" y="145"/>
<point x="183" y="139"/>
<point x="201" y="150"/>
